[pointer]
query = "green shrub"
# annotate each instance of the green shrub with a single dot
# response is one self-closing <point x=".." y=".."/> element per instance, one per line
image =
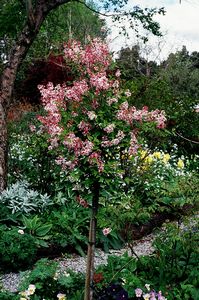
<point x="17" y="250"/>
<point x="70" y="227"/>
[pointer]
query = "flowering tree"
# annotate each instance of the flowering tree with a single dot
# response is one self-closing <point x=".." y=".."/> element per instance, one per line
<point x="91" y="127"/>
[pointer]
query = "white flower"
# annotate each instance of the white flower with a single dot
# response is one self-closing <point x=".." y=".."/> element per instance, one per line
<point x="20" y="231"/>
<point x="31" y="289"/>
<point x="61" y="296"/>
<point x="147" y="286"/>
<point x="91" y="115"/>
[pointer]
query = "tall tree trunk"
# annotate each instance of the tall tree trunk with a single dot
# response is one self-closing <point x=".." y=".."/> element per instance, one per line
<point x="35" y="18"/>
<point x="88" y="294"/>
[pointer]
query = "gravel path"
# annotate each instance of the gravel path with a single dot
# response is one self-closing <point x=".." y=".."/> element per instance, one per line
<point x="77" y="263"/>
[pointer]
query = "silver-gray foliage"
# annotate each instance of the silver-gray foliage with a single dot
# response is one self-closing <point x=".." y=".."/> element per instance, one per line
<point x="19" y="197"/>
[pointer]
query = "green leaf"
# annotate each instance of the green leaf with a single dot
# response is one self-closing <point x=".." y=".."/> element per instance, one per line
<point x="43" y="230"/>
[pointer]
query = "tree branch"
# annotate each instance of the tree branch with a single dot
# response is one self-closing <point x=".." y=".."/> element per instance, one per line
<point x="191" y="141"/>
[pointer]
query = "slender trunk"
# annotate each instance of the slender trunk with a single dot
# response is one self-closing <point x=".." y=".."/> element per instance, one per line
<point x="88" y="295"/>
<point x="25" y="39"/>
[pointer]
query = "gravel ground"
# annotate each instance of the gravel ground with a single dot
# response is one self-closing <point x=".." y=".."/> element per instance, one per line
<point x="78" y="264"/>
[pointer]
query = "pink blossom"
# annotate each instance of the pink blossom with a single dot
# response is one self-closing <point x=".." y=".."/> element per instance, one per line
<point x="134" y="145"/>
<point x="95" y="158"/>
<point x="73" y="50"/>
<point x="118" y="73"/>
<point x="108" y="143"/>
<point x="115" y="84"/>
<point x="87" y="147"/>
<point x="111" y="101"/>
<point x="109" y="128"/>
<point x="106" y="231"/>
<point x="119" y="138"/>
<point x="32" y="128"/>
<point x="53" y="143"/>
<point x="76" y="92"/>
<point x="95" y="104"/>
<point x="84" y="127"/>
<point x="82" y="202"/>
<point x="99" y="81"/>
<point x="95" y="55"/>
<point x="138" y="292"/>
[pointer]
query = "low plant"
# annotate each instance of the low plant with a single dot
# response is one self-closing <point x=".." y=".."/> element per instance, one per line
<point x="38" y="230"/>
<point x="17" y="249"/>
<point x="19" y="197"/>
<point x="70" y="226"/>
<point x="47" y="282"/>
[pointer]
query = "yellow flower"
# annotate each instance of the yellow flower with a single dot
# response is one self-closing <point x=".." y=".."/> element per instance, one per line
<point x="149" y="159"/>
<point x="180" y="164"/>
<point x="143" y="153"/>
<point x="157" y="155"/>
<point x="166" y="158"/>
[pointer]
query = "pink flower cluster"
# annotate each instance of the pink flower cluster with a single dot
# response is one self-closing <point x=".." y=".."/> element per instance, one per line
<point x="52" y="99"/>
<point x="129" y="114"/>
<point x="106" y="231"/>
<point x="82" y="202"/>
<point x="76" y="92"/>
<point x="111" y="101"/>
<point x="61" y="161"/>
<point x="95" y="158"/>
<point x="84" y="127"/>
<point x="114" y="142"/>
<point x="100" y="81"/>
<point x="109" y="128"/>
<point x="134" y="145"/>
<point x="150" y="295"/>
<point x="94" y="56"/>
<point x="74" y="112"/>
<point x="77" y="146"/>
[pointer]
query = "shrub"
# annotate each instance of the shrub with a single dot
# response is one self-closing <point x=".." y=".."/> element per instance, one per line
<point x="17" y="249"/>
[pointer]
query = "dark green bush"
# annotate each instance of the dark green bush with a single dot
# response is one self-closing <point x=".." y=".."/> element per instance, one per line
<point x="17" y="251"/>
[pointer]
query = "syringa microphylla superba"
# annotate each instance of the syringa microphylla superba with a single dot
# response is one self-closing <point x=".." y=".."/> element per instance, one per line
<point x="91" y="117"/>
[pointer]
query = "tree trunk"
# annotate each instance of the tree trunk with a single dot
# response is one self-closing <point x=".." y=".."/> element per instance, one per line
<point x="35" y="18"/>
<point x="88" y="294"/>
<point x="3" y="148"/>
